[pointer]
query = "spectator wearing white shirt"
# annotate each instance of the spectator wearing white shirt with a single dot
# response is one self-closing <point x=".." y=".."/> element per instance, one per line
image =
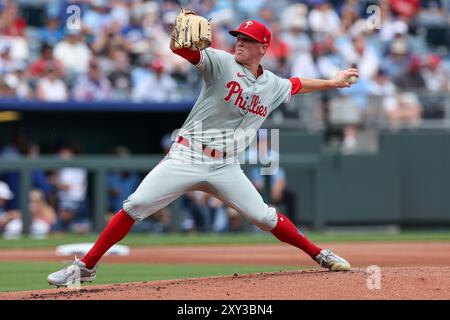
<point x="73" y="53"/>
<point x="296" y="37"/>
<point x="323" y="18"/>
<point x="363" y="55"/>
<point x="8" y="218"/>
<point x="72" y="189"/>
<point x="306" y="64"/>
<point x="51" y="87"/>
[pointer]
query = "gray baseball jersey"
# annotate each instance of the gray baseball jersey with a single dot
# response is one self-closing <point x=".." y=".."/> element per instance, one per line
<point x="232" y="98"/>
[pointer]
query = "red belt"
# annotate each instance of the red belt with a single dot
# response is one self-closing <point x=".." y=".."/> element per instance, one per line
<point x="213" y="153"/>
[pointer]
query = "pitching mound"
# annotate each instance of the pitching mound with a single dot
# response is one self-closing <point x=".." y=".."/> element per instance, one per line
<point x="396" y="283"/>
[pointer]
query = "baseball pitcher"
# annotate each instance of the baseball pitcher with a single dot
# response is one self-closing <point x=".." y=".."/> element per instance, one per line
<point x="238" y="94"/>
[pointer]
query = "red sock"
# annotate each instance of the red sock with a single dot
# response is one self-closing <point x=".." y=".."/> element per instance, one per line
<point x="286" y="231"/>
<point x="116" y="230"/>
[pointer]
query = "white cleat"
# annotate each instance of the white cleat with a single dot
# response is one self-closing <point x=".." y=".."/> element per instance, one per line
<point x="76" y="271"/>
<point x="328" y="259"/>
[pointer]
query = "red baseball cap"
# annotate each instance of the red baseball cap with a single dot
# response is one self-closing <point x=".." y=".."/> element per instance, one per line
<point x="255" y="30"/>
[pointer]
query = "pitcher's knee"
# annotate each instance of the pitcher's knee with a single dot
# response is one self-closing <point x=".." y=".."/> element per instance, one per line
<point x="267" y="220"/>
<point x="137" y="207"/>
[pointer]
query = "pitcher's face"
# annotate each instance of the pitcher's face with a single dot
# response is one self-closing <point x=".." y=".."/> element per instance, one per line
<point x="248" y="49"/>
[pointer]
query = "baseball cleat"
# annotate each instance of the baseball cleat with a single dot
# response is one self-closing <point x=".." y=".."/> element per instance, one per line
<point x="76" y="270"/>
<point x="328" y="259"/>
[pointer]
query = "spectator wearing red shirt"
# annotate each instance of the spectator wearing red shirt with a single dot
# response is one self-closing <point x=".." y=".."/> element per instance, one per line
<point x="278" y="49"/>
<point x="39" y="67"/>
<point x="11" y="24"/>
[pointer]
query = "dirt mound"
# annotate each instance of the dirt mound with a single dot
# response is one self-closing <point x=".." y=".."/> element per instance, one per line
<point x="396" y="283"/>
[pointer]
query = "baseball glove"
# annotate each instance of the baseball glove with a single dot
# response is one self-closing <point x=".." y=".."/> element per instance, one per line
<point x="191" y="31"/>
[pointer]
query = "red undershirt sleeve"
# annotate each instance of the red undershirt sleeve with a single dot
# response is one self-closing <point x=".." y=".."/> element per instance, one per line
<point x="296" y="85"/>
<point x="193" y="56"/>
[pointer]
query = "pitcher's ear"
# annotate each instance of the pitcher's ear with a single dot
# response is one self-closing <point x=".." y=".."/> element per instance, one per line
<point x="263" y="49"/>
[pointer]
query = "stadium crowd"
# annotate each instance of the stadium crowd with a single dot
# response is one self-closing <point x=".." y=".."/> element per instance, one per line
<point x="120" y="49"/>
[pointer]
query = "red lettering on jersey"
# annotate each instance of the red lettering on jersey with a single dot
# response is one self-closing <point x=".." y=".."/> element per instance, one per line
<point x="239" y="101"/>
<point x="235" y="88"/>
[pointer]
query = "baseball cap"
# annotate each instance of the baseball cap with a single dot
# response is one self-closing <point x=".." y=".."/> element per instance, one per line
<point x="255" y="30"/>
<point x="5" y="191"/>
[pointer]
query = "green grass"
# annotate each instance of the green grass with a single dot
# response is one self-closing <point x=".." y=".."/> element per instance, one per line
<point x="19" y="276"/>
<point x="137" y="240"/>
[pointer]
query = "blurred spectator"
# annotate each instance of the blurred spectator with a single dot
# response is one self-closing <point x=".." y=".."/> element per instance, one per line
<point x="277" y="51"/>
<point x="51" y="33"/>
<point x="9" y="219"/>
<point x="363" y="56"/>
<point x="235" y="221"/>
<point x="18" y="82"/>
<point x="408" y="111"/>
<point x="7" y="63"/>
<point x="73" y="53"/>
<point x="121" y="183"/>
<point x="43" y="215"/>
<point x="350" y="13"/>
<point x="40" y="66"/>
<point x="436" y="79"/>
<point x="109" y="40"/>
<point x="249" y="8"/>
<point x="13" y="151"/>
<point x="329" y="62"/>
<point x="399" y="108"/>
<point x="392" y="25"/>
<point x="195" y="212"/>
<point x="411" y="77"/>
<point x="39" y="177"/>
<point x="51" y="87"/>
<point x="12" y="28"/>
<point x="356" y="100"/>
<point x="11" y="24"/>
<point x="120" y="12"/>
<point x="405" y="9"/>
<point x="385" y="91"/>
<point x="435" y="75"/>
<point x="6" y="92"/>
<point x="295" y="36"/>
<point x="398" y="57"/>
<point x="97" y="18"/>
<point x="219" y="214"/>
<point x="120" y="77"/>
<point x="21" y="147"/>
<point x="305" y="64"/>
<point x="164" y="85"/>
<point x="323" y="18"/>
<point x="280" y="195"/>
<point x="93" y="86"/>
<point x="72" y="186"/>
